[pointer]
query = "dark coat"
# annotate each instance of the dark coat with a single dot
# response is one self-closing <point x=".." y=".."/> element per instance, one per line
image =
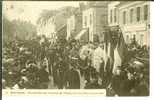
<point x="116" y="83"/>
<point x="59" y="78"/>
<point x="122" y="86"/>
<point x="72" y="79"/>
<point x="43" y="75"/>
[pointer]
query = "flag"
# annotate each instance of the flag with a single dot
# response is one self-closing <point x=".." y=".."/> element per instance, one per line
<point x="121" y="46"/>
<point x="119" y="52"/>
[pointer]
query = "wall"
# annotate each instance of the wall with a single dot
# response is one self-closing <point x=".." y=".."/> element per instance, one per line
<point x="89" y="17"/>
<point x="101" y="21"/>
<point x="96" y="18"/>
<point x="74" y="25"/>
<point x="139" y="29"/>
<point x="78" y="24"/>
<point x="112" y="6"/>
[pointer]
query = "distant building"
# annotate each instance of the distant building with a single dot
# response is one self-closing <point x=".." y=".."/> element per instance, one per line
<point x="95" y="19"/>
<point x="74" y="25"/>
<point x="133" y="19"/>
<point x="113" y="13"/>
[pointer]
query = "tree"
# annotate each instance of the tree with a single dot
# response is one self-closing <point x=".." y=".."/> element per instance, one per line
<point x="59" y="19"/>
<point x="7" y="29"/>
<point x="45" y="16"/>
<point x="17" y="29"/>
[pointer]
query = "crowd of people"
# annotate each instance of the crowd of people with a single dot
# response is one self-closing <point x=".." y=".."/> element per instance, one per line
<point x="132" y="78"/>
<point x="34" y="63"/>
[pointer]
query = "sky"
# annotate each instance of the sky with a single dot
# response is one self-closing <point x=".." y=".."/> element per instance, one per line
<point x="30" y="10"/>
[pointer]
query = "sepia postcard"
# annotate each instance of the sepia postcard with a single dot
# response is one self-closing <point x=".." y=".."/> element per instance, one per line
<point x="76" y="48"/>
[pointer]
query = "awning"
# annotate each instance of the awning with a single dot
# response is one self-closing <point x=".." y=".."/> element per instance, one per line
<point x="82" y="32"/>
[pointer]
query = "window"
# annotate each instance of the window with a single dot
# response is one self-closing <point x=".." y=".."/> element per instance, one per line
<point x="138" y="13"/>
<point x="127" y="38"/>
<point x="72" y="24"/>
<point x="145" y="12"/>
<point x="141" y="39"/>
<point x="115" y="18"/>
<point x="131" y="15"/>
<point x="103" y="19"/>
<point x="111" y="16"/>
<point x="90" y="19"/>
<point x="85" y="21"/>
<point x="124" y="17"/>
<point x="134" y="38"/>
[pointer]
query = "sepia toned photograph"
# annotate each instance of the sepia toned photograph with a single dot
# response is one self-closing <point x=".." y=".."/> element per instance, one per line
<point x="76" y="45"/>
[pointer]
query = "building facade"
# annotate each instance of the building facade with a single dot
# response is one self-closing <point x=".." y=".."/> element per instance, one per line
<point x="113" y="13"/>
<point x="94" y="19"/>
<point x="74" y="25"/>
<point x="133" y="19"/>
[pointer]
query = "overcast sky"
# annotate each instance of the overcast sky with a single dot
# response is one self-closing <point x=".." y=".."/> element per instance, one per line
<point x="30" y="10"/>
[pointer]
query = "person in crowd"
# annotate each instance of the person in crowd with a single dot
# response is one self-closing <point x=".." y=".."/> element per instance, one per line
<point x="141" y="82"/>
<point x="32" y="75"/>
<point x="54" y="73"/>
<point x="98" y="57"/>
<point x="25" y="74"/>
<point x="51" y="58"/>
<point x="22" y="84"/>
<point x="60" y="71"/>
<point x="72" y="78"/>
<point x="43" y="77"/>
<point x="118" y="80"/>
<point x="128" y="83"/>
<point x="89" y="70"/>
<point x="93" y="84"/>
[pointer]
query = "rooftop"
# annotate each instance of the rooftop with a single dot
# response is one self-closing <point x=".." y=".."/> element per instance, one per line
<point x="123" y="3"/>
